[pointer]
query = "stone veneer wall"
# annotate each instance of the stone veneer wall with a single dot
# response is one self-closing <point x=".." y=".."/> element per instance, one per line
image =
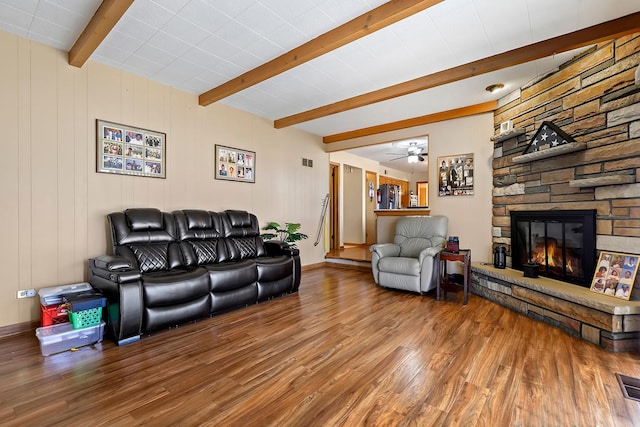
<point x="595" y="100"/>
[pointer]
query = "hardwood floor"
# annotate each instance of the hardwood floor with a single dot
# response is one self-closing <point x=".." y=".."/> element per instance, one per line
<point x="342" y="351"/>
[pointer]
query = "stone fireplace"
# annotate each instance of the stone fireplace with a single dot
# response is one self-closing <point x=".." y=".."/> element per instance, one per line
<point x="594" y="99"/>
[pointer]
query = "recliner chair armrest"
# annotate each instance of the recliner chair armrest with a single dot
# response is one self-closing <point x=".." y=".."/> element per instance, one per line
<point x="278" y="247"/>
<point x="385" y="249"/>
<point x="430" y="252"/>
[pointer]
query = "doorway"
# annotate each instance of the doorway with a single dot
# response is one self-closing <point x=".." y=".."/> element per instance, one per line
<point x="370" y="206"/>
<point x="334" y="220"/>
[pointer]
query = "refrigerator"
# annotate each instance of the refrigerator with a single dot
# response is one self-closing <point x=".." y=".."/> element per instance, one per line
<point x="389" y="196"/>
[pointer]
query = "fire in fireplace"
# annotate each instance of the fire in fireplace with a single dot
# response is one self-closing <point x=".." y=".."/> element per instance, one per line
<point x="561" y="242"/>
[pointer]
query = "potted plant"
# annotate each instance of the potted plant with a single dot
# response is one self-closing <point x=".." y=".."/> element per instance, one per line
<point x="289" y="233"/>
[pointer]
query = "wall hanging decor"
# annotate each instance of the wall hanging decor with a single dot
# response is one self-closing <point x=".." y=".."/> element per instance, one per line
<point x="127" y="150"/>
<point x="455" y="175"/>
<point x="233" y="164"/>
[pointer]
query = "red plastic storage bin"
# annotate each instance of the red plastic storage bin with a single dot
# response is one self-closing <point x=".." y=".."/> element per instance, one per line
<point x="53" y="314"/>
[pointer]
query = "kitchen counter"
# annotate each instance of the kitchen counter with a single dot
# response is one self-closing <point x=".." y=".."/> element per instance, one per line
<point x="402" y="212"/>
<point x="386" y="221"/>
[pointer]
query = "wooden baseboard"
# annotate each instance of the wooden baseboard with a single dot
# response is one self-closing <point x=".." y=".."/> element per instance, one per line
<point x="18" y="329"/>
<point x="309" y="267"/>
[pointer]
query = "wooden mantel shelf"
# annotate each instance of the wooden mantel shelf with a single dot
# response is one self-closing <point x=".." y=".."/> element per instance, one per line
<point x="601" y="181"/>
<point x="551" y="152"/>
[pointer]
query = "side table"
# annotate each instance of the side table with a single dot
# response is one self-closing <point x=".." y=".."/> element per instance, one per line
<point x="463" y="255"/>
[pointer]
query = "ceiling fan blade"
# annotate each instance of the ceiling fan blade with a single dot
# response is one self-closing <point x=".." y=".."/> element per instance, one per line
<point x="398" y="158"/>
<point x="420" y="158"/>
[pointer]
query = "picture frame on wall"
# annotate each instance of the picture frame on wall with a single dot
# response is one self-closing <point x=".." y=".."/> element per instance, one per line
<point x="615" y="274"/>
<point x="234" y="164"/>
<point x="128" y="150"/>
<point x="455" y="175"/>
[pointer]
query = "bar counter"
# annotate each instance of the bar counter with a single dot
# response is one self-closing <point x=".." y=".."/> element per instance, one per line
<point x="386" y="221"/>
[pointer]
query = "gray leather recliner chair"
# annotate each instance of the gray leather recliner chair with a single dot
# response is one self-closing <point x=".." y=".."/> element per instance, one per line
<point x="409" y="262"/>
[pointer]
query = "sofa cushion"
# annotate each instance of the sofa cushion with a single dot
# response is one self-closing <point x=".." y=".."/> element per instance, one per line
<point x="198" y="220"/>
<point x="239" y="219"/>
<point x="399" y="265"/>
<point x="206" y="251"/>
<point x="242" y="248"/>
<point x="232" y="275"/>
<point x="166" y="316"/>
<point x="174" y="287"/>
<point x="274" y="268"/>
<point x="222" y="301"/>
<point x="144" y="219"/>
<point x="151" y="257"/>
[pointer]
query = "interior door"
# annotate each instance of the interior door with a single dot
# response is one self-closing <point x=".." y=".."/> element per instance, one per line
<point x="370" y="206"/>
<point x="423" y="193"/>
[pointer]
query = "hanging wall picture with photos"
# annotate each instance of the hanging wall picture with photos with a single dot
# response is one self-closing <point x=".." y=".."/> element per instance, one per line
<point x="455" y="175"/>
<point x="128" y="150"/>
<point x="233" y="164"/>
<point x="615" y="274"/>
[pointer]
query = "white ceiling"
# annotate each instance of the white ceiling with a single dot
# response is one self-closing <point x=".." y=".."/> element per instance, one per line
<point x="196" y="45"/>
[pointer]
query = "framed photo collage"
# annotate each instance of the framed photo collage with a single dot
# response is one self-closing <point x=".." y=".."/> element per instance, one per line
<point x="128" y="150"/>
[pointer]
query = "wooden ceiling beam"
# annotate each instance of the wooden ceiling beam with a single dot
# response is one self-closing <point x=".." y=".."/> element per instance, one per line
<point x="365" y="24"/>
<point x="470" y="110"/>
<point x="103" y="21"/>
<point x="608" y="30"/>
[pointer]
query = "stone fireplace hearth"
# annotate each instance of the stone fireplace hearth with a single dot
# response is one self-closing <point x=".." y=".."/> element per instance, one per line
<point x="611" y="323"/>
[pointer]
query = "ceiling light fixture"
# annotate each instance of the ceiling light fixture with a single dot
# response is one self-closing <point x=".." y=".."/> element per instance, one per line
<point x="413" y="158"/>
<point x="494" y="88"/>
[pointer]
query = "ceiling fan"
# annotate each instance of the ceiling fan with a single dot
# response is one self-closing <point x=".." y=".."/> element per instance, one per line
<point x="414" y="153"/>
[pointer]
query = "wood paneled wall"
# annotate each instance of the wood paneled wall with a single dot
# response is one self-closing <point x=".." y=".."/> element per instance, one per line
<point x="54" y="204"/>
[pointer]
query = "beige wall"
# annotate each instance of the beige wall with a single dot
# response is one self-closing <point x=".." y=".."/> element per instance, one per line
<point x="54" y="203"/>
<point x="469" y="216"/>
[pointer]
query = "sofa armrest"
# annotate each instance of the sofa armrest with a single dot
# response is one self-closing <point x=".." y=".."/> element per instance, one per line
<point x="278" y="247"/>
<point x="122" y="287"/>
<point x="385" y="249"/>
<point x="112" y="263"/>
<point x="114" y="268"/>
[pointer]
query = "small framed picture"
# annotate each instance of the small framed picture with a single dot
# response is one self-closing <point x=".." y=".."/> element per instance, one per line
<point x="615" y="274"/>
<point x="127" y="150"/>
<point x="234" y="164"/>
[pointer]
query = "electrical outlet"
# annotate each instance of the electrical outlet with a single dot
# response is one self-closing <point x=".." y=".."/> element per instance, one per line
<point x="496" y="232"/>
<point x="26" y="293"/>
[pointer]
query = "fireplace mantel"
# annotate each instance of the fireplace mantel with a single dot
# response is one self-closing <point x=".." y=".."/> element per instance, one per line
<point x="571" y="147"/>
<point x="606" y="321"/>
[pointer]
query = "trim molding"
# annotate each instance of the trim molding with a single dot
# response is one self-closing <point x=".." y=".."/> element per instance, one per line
<point x="18" y="329"/>
<point x="413" y="122"/>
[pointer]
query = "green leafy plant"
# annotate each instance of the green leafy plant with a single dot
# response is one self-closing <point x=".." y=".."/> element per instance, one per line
<point x="289" y="233"/>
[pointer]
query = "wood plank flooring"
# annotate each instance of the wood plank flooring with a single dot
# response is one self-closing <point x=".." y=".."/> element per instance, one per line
<point x="341" y="352"/>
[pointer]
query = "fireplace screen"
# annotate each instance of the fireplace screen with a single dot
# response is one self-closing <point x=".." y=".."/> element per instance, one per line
<point x="561" y="242"/>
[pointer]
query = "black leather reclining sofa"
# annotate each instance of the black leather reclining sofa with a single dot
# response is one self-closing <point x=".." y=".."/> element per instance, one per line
<point x="171" y="268"/>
